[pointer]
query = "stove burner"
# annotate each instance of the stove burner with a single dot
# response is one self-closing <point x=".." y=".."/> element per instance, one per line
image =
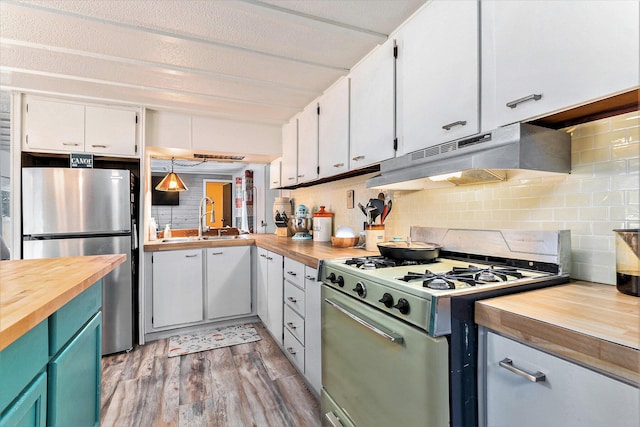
<point x="491" y="274"/>
<point x="374" y="262"/>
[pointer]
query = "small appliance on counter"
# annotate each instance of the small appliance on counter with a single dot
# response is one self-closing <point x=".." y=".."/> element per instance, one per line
<point x="300" y="224"/>
<point x="628" y="261"/>
<point x="322" y="225"/>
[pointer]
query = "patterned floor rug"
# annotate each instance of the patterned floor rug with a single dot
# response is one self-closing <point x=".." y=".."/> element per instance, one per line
<point x="211" y="338"/>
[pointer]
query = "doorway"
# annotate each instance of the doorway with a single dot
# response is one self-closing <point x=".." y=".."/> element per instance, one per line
<point x="220" y="193"/>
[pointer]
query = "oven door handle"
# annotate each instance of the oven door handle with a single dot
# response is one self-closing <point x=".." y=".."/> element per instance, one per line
<point x="333" y="420"/>
<point x="366" y="322"/>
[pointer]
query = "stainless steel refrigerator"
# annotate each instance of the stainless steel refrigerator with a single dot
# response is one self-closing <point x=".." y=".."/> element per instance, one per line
<point x="71" y="212"/>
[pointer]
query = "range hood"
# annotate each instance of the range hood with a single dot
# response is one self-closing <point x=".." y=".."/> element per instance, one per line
<point x="517" y="150"/>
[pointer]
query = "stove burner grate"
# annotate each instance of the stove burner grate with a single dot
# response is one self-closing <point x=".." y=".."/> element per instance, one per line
<point x="375" y="262"/>
<point x="470" y="276"/>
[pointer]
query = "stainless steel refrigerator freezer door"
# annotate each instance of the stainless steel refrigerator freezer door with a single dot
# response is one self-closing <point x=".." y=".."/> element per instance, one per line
<point x="117" y="292"/>
<point x="69" y="201"/>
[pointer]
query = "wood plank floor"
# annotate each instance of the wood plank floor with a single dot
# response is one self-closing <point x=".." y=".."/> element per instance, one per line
<point x="250" y="384"/>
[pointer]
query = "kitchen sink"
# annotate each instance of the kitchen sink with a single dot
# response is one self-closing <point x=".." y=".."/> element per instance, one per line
<point x="198" y="239"/>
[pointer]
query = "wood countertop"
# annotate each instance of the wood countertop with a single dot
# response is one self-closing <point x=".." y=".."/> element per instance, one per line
<point x="32" y="290"/>
<point x="307" y="252"/>
<point x="589" y="323"/>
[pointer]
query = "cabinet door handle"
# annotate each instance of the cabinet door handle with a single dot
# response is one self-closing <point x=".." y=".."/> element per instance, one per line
<point x="98" y="146"/>
<point x="358" y="158"/>
<point x="333" y="420"/>
<point x="291" y="273"/>
<point x="73" y="144"/>
<point x="274" y="182"/>
<point x="292" y="299"/>
<point x="301" y="176"/>
<point x="290" y="350"/>
<point x="532" y="97"/>
<point x="269" y="258"/>
<point x="291" y="325"/>
<point x="263" y="255"/>
<point x="191" y="256"/>
<point x="338" y="165"/>
<point x="534" y="378"/>
<point x="217" y="253"/>
<point x="291" y="178"/>
<point x="310" y="278"/>
<point x="458" y="123"/>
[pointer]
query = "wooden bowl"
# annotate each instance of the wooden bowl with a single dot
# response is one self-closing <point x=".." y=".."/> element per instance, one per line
<point x="344" y="242"/>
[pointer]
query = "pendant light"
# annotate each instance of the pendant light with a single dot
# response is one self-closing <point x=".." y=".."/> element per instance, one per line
<point x="171" y="182"/>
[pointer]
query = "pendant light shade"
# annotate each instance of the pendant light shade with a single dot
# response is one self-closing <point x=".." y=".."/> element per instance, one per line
<point x="171" y="182"/>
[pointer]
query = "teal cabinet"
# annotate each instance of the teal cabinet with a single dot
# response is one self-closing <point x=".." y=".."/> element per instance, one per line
<point x="30" y="409"/>
<point x="51" y="375"/>
<point x="74" y="379"/>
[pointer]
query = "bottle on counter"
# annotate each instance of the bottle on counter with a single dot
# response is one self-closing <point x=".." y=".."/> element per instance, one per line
<point x="153" y="229"/>
<point x="167" y="232"/>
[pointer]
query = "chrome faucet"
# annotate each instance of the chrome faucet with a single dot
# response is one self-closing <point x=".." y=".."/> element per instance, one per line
<point x="203" y="202"/>
<point x="220" y="231"/>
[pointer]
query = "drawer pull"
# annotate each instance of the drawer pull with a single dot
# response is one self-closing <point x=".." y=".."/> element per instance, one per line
<point x="333" y="420"/>
<point x="269" y="258"/>
<point x="217" y="253"/>
<point x="338" y="165"/>
<point x="290" y="350"/>
<point x="310" y="278"/>
<point x="458" y="123"/>
<point x="292" y="299"/>
<point x="358" y="158"/>
<point x="291" y="325"/>
<point x="291" y="273"/>
<point x="73" y="144"/>
<point x="191" y="256"/>
<point x="532" y="97"/>
<point x="507" y="363"/>
<point x="98" y="146"/>
<point x="263" y="255"/>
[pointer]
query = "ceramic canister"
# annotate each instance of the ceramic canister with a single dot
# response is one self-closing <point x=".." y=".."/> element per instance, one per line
<point x="322" y="225"/>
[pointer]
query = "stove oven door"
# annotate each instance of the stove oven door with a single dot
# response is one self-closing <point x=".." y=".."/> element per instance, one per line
<point x="378" y="370"/>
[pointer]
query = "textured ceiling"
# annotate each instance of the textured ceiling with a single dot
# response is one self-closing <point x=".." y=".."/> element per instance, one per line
<point x="250" y="60"/>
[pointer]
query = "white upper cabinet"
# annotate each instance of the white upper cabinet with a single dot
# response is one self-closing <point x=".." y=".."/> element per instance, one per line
<point x="437" y="75"/>
<point x="543" y="57"/>
<point x="372" y="117"/>
<point x="110" y="131"/>
<point x="308" y="143"/>
<point x="333" y="133"/>
<point x="169" y="130"/>
<point x="289" y="171"/>
<point x="57" y="126"/>
<point x="275" y="175"/>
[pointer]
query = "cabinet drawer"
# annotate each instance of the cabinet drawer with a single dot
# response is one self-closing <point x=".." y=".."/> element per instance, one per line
<point x="21" y="361"/>
<point x="294" y="323"/>
<point x="294" y="297"/>
<point x="567" y="392"/>
<point x="65" y="322"/>
<point x="294" y="272"/>
<point x="294" y="350"/>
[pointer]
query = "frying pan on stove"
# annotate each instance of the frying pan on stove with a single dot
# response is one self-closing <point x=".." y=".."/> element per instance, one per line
<point x="414" y="251"/>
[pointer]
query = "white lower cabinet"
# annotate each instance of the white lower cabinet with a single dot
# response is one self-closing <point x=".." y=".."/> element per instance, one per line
<point x="228" y="281"/>
<point x="302" y="321"/>
<point x="198" y="286"/>
<point x="568" y="395"/>
<point x="269" y="292"/>
<point x="177" y="287"/>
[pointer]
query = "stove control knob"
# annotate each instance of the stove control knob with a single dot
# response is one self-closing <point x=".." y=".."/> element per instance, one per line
<point x="340" y="281"/>
<point x="386" y="299"/>
<point x="403" y="306"/>
<point x="332" y="278"/>
<point x="360" y="289"/>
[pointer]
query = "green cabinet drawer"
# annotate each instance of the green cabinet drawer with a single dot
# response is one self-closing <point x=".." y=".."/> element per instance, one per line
<point x="74" y="379"/>
<point x="64" y="323"/>
<point x="30" y="408"/>
<point x="21" y="361"/>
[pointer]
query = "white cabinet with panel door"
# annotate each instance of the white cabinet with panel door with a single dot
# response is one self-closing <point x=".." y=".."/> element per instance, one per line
<point x="228" y="281"/>
<point x="437" y="75"/>
<point x="167" y="129"/>
<point x="543" y="57"/>
<point x="289" y="168"/>
<point x="312" y="343"/>
<point x="521" y="385"/>
<point x="57" y="126"/>
<point x="275" y="174"/>
<point x="333" y="130"/>
<point x="177" y="287"/>
<point x="270" y="292"/>
<point x="372" y="108"/>
<point x="308" y="143"/>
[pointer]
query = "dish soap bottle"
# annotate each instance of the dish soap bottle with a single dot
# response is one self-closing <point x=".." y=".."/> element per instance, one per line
<point x="167" y="232"/>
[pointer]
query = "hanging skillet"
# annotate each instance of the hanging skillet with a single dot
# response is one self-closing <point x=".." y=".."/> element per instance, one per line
<point x="414" y="251"/>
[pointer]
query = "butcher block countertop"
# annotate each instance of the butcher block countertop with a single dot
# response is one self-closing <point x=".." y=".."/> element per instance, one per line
<point x="32" y="290"/>
<point x="589" y="323"/>
<point x="307" y="252"/>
